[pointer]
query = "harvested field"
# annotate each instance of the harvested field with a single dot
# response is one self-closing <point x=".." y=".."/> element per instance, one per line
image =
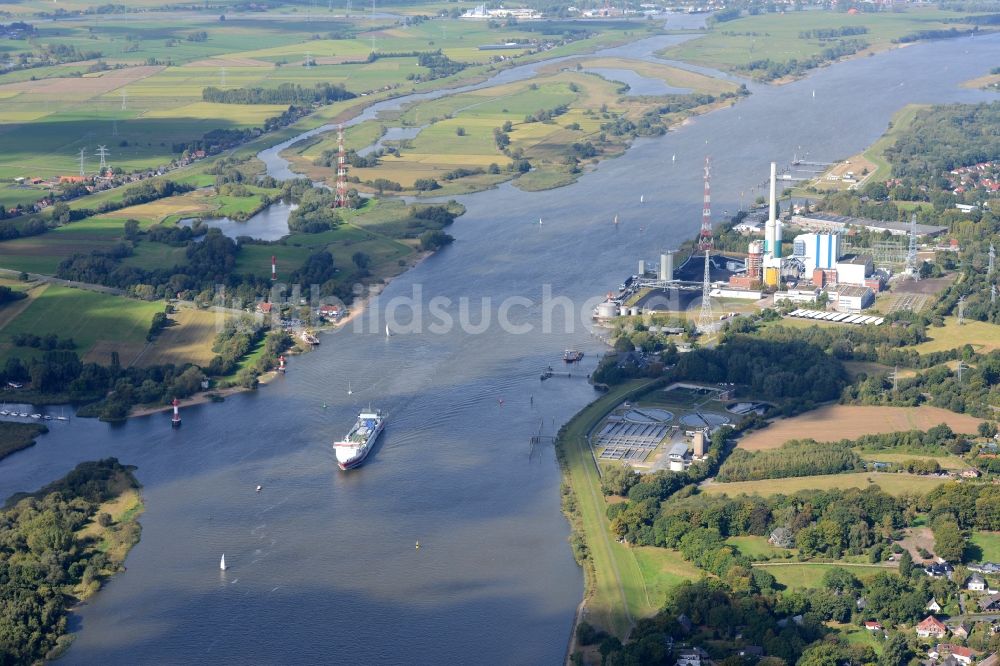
<point x="102" y="350"/>
<point x="836" y="422"/>
<point x="231" y="61"/>
<point x="918" y="537"/>
<point x="188" y="340"/>
<point x="85" y="87"/>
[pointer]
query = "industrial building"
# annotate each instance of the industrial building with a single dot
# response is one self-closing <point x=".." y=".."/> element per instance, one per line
<point x="854" y="269"/>
<point x="816" y="250"/>
<point x="825" y="222"/>
<point x="851" y="298"/>
<point x="678" y="457"/>
<point x="798" y="295"/>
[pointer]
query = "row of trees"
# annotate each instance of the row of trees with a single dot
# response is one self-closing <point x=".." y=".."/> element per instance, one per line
<point x="285" y="93"/>
<point x="805" y="457"/>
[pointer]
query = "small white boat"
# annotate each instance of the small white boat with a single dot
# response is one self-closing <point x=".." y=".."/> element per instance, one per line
<point x="539" y="221"/>
<point x="36" y="416"/>
<point x="387" y="334"/>
<point x="62" y="418"/>
<point x="222" y="564"/>
<point x="4" y="412"/>
<point x="673" y="158"/>
<point x="349" y="390"/>
<point x="642" y="198"/>
<point x="616" y="220"/>
<point x="23" y="414"/>
<point x="259" y="488"/>
<point x="814" y="94"/>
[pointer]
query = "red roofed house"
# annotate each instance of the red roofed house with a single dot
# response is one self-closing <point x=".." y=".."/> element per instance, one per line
<point x="962" y="655"/>
<point x="931" y="626"/>
<point x="873" y="626"/>
<point x="329" y="311"/>
<point x="264" y="308"/>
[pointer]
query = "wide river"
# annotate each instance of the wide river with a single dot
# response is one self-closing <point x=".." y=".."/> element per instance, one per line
<point x="323" y="567"/>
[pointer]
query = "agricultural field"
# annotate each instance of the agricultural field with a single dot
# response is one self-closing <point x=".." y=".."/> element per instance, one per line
<point x="988" y="543"/>
<point x="946" y="462"/>
<point x="98" y="323"/>
<point x="809" y="575"/>
<point x="457" y="132"/>
<point x="141" y="111"/>
<point x="983" y="336"/>
<point x="733" y="44"/>
<point x="894" y="484"/>
<point x="188" y="339"/>
<point x="835" y="422"/>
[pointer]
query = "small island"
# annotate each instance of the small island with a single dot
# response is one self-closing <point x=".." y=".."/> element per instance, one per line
<point x="57" y="546"/>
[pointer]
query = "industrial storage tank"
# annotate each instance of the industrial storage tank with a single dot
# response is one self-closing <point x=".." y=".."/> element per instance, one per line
<point x="635" y="311"/>
<point x="771" y="276"/>
<point x="607" y="310"/>
<point x="698" y="444"/>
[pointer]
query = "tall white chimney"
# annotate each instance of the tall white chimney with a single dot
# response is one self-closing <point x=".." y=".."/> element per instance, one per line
<point x="769" y="229"/>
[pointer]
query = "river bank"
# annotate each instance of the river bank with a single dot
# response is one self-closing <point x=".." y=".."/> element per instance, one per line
<point x="494" y="579"/>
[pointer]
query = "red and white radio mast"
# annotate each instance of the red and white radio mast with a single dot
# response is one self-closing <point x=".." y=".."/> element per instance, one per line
<point x="705" y="236"/>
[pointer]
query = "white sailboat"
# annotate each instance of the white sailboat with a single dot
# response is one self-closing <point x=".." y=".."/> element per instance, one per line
<point x="387" y="330"/>
<point x="673" y="158"/>
<point x="616" y="220"/>
<point x="349" y="390"/>
<point x="222" y="563"/>
<point x="642" y="198"/>
<point x="539" y="221"/>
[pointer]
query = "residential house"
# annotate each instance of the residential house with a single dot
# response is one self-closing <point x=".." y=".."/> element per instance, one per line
<point x="970" y="473"/>
<point x="962" y="655"/>
<point x="782" y="537"/>
<point x="990" y="603"/>
<point x="873" y="626"/>
<point x="933" y="606"/>
<point x="691" y="657"/>
<point x="976" y="583"/>
<point x="939" y="569"/>
<point x="264" y="308"/>
<point x="329" y="311"/>
<point x="931" y="627"/>
<point x="961" y="630"/>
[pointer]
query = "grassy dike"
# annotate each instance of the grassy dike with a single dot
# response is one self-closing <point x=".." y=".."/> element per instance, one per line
<point x="614" y="590"/>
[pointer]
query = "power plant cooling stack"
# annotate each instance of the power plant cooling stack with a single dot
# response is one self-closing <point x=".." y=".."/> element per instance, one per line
<point x="770" y="230"/>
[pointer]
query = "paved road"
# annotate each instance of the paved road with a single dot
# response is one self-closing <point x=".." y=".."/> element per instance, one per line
<point x="38" y="277"/>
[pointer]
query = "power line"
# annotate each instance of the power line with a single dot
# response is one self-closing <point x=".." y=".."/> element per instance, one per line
<point x="82" y="159"/>
<point x="103" y="153"/>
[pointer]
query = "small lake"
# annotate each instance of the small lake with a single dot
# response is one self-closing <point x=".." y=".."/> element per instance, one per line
<point x="638" y="84"/>
<point x="269" y="224"/>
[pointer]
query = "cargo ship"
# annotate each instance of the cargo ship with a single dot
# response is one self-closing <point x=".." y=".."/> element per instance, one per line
<point x="352" y="450"/>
